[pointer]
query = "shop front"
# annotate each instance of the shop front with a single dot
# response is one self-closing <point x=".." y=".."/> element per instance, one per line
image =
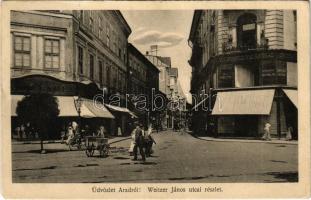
<point x="67" y="94"/>
<point x="244" y="113"/>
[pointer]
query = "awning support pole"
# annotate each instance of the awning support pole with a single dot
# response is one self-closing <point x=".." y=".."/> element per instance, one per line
<point x="278" y="112"/>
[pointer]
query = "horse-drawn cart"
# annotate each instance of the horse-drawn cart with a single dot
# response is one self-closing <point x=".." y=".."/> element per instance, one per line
<point x="96" y="143"/>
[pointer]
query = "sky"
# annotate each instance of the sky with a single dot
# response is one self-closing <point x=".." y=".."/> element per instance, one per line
<point x="169" y="29"/>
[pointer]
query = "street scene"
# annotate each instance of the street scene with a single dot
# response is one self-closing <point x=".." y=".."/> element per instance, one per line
<point x="178" y="157"/>
<point x="154" y="96"/>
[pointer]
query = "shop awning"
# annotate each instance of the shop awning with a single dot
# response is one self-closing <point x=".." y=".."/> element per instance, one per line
<point x="66" y="106"/>
<point x="98" y="109"/>
<point x="246" y="102"/>
<point x="14" y="100"/>
<point x="292" y="95"/>
<point x="121" y="109"/>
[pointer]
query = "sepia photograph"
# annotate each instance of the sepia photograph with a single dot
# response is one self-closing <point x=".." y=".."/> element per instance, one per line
<point x="189" y="96"/>
<point x="159" y="97"/>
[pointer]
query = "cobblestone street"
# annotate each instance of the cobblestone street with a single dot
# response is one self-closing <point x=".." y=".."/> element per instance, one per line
<point x="178" y="157"/>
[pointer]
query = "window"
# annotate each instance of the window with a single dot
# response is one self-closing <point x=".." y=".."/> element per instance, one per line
<point x="91" y="67"/>
<point x="108" y="35"/>
<point x="100" y="72"/>
<point x="100" y="28"/>
<point x="114" y="43"/>
<point x="124" y="54"/>
<point x="21" y="51"/>
<point x="225" y="76"/>
<point x="51" y="53"/>
<point x="91" y="24"/>
<point x="108" y="75"/>
<point x="247" y="31"/>
<point x="119" y="48"/>
<point x="80" y="59"/>
<point x="81" y="14"/>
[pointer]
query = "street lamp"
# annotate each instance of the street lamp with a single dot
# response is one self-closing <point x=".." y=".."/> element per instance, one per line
<point x="78" y="107"/>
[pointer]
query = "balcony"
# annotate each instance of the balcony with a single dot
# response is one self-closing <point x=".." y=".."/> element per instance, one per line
<point x="228" y="47"/>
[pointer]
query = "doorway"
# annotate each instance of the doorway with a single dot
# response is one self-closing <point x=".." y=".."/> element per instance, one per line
<point x="246" y="31"/>
<point x="246" y="126"/>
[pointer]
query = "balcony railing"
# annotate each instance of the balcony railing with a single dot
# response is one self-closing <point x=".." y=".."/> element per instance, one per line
<point x="229" y="48"/>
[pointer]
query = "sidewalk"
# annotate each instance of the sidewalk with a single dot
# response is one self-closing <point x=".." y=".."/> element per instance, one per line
<point x="111" y="141"/>
<point x="247" y="140"/>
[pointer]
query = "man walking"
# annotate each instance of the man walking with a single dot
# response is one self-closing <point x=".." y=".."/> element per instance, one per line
<point x="139" y="142"/>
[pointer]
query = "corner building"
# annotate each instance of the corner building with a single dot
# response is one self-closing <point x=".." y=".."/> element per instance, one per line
<point x="244" y="71"/>
<point x="70" y="54"/>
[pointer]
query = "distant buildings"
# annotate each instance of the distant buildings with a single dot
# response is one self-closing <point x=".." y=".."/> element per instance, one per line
<point x="244" y="72"/>
<point x="143" y="79"/>
<point x="170" y="86"/>
<point x="78" y="55"/>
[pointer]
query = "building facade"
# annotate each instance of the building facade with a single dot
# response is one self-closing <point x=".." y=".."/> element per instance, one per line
<point x="244" y="72"/>
<point x="143" y="80"/>
<point x="70" y="54"/>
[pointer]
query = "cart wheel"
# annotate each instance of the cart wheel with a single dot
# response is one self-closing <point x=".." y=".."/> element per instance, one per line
<point x="89" y="151"/>
<point x="104" y="151"/>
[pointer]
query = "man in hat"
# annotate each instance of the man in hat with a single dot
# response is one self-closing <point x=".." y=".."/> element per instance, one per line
<point x="139" y="142"/>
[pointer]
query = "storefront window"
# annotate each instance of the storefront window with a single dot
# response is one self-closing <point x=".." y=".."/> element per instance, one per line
<point x="51" y="52"/>
<point x="21" y="51"/>
<point x="273" y="72"/>
<point x="225" y="76"/>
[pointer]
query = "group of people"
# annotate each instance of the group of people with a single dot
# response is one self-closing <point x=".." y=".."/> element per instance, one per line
<point x="26" y="131"/>
<point x="267" y="136"/>
<point x="142" y="141"/>
<point x="73" y="131"/>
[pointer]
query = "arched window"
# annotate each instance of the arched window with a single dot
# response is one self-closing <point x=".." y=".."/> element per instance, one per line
<point x="246" y="31"/>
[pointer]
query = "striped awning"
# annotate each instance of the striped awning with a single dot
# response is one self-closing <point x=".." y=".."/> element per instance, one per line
<point x="292" y="95"/>
<point x="245" y="102"/>
<point x="121" y="109"/>
<point x="96" y="108"/>
<point x="66" y="105"/>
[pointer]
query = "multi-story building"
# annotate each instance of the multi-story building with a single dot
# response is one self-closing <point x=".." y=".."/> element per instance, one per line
<point x="244" y="72"/>
<point x="164" y="65"/>
<point x="70" y="54"/>
<point x="143" y="80"/>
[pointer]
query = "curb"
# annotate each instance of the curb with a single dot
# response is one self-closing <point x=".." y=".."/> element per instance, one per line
<point x="248" y="141"/>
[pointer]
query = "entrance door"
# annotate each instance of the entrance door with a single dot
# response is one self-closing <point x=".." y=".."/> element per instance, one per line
<point x="246" y="31"/>
<point x="246" y="126"/>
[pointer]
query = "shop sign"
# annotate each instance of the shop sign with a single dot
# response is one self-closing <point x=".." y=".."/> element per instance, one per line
<point x="40" y="84"/>
<point x="248" y="27"/>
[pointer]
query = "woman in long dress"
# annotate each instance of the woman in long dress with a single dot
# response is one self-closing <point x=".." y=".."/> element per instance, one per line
<point x="131" y="149"/>
<point x="70" y="134"/>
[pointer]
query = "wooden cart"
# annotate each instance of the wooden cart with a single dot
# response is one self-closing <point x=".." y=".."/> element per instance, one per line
<point x="96" y="143"/>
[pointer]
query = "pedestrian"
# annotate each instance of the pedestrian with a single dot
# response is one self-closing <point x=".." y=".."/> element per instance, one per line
<point x="101" y="131"/>
<point x="289" y="133"/>
<point x="18" y="132"/>
<point x="131" y="149"/>
<point x="266" y="135"/>
<point x="139" y="143"/>
<point x="22" y="131"/>
<point x="70" y="135"/>
<point x="149" y="142"/>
